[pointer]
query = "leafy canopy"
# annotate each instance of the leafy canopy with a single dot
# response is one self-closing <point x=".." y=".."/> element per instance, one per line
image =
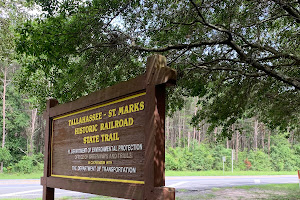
<point x="241" y="58"/>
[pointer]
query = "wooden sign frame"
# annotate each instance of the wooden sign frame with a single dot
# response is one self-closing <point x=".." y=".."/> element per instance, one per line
<point x="153" y="85"/>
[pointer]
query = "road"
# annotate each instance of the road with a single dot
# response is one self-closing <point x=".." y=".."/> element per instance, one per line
<point x="32" y="188"/>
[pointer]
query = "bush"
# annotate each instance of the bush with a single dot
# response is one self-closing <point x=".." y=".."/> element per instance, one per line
<point x="218" y="152"/>
<point x="175" y="159"/>
<point x="25" y="165"/>
<point x="5" y="155"/>
<point x="282" y="156"/>
<point x="259" y="161"/>
<point x="201" y="158"/>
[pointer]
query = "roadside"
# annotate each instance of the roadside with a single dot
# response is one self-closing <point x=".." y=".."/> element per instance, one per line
<point x="270" y="191"/>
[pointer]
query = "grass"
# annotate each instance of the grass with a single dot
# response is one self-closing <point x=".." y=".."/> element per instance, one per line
<point x="228" y="173"/>
<point x="35" y="175"/>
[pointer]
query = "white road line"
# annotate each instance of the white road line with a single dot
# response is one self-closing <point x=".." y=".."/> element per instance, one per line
<point x="177" y="184"/>
<point x="18" y="193"/>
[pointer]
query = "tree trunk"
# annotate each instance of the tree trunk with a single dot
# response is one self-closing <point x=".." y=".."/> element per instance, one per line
<point x="215" y="135"/>
<point x="167" y="129"/>
<point x="237" y="146"/>
<point x="255" y="134"/>
<point x="31" y="132"/>
<point x="227" y="143"/>
<point x="269" y="142"/>
<point x="183" y="127"/>
<point x="194" y="138"/>
<point x="263" y="137"/>
<point x="3" y="112"/>
<point x="189" y="136"/>
<point x="179" y="130"/>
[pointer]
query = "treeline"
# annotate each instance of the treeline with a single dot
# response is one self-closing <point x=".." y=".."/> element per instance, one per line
<point x="22" y="136"/>
<point x="255" y="145"/>
<point x="204" y="156"/>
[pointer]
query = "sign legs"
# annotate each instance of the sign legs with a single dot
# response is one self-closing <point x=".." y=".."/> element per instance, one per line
<point x="48" y="193"/>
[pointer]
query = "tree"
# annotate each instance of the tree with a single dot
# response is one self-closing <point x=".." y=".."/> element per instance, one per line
<point x="239" y="57"/>
<point x="10" y="14"/>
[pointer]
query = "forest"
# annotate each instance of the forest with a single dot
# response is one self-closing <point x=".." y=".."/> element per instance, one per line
<point x="238" y="65"/>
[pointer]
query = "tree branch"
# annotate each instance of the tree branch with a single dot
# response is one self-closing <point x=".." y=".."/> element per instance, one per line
<point x="221" y="68"/>
<point x="267" y="69"/>
<point x="179" y="46"/>
<point x="289" y="9"/>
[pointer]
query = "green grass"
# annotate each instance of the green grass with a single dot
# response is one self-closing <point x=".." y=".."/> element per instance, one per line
<point x="228" y="173"/>
<point x="36" y="175"/>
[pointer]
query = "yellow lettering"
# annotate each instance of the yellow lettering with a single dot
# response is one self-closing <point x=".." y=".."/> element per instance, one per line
<point x="125" y="122"/>
<point x="126" y="109"/>
<point x="136" y="107"/>
<point x="91" y="139"/>
<point x="121" y="110"/>
<point x="142" y="105"/>
<point x="86" y="129"/>
<point x="116" y="136"/>
<point x="112" y="113"/>
<point x="110" y="137"/>
<point x="130" y="121"/>
<point x="131" y="108"/>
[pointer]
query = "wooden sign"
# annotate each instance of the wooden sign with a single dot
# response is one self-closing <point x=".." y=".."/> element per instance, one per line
<point x="111" y="142"/>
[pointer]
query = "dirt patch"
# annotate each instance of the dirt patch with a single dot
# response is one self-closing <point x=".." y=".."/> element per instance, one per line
<point x="228" y="194"/>
<point x="237" y="194"/>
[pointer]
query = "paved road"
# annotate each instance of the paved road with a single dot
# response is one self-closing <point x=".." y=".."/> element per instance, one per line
<point x="32" y="189"/>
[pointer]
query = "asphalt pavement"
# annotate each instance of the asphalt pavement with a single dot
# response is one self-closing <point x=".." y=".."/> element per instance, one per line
<point x="31" y="188"/>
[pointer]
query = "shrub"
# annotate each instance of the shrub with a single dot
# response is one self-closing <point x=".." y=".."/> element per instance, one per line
<point x="25" y="165"/>
<point x="218" y="152"/>
<point x="5" y="155"/>
<point x="175" y="159"/>
<point x="260" y="161"/>
<point x="282" y="156"/>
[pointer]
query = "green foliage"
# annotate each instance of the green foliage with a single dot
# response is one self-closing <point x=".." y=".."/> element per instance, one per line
<point x="5" y="155"/>
<point x="204" y="157"/>
<point x="237" y="56"/>
<point x="260" y="161"/>
<point x="175" y="159"/>
<point x="282" y="155"/>
<point x="29" y="164"/>
<point x="25" y="165"/>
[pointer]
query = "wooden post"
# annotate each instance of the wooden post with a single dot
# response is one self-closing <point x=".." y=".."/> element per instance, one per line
<point x="48" y="193"/>
<point x="155" y="132"/>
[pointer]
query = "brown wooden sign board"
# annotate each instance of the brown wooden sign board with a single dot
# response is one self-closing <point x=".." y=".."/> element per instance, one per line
<point x="111" y="142"/>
